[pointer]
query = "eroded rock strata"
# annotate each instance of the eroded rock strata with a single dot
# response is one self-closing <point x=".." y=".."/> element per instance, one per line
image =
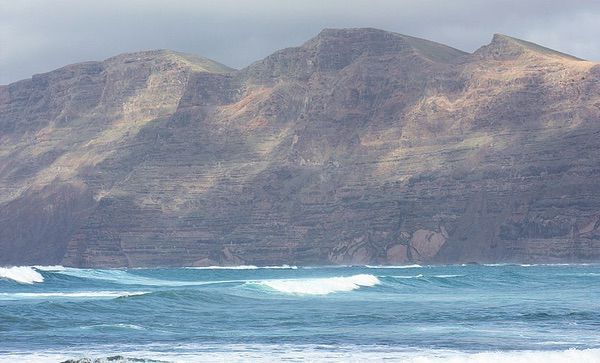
<point x="360" y="146"/>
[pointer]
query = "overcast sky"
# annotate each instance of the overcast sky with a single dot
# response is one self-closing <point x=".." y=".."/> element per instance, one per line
<point x="38" y="36"/>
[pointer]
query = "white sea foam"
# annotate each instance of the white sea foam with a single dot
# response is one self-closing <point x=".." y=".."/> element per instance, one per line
<point x="21" y="274"/>
<point x="312" y="353"/>
<point x="320" y="286"/>
<point x="570" y="355"/>
<point x="69" y="295"/>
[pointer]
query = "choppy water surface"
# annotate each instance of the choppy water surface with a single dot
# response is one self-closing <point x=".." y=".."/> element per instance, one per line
<point x="473" y="313"/>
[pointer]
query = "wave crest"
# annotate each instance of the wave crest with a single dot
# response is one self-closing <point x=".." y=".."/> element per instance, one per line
<point x="21" y="274"/>
<point x="244" y="267"/>
<point x="320" y="286"/>
<point x="49" y="268"/>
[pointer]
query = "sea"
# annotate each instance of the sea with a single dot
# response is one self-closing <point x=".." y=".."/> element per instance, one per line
<point x="458" y="313"/>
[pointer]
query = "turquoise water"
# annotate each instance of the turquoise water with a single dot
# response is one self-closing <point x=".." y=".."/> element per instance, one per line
<point x="474" y="313"/>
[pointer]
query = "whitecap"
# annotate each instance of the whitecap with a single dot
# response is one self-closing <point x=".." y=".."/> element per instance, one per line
<point x="320" y="286"/>
<point x="21" y="274"/>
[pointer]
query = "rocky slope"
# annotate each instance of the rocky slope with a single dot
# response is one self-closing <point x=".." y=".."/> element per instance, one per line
<point x="360" y="146"/>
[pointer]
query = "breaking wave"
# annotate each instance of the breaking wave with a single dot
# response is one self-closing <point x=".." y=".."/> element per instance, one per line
<point x="320" y="286"/>
<point x="432" y="314"/>
<point x="21" y="274"/>
<point x="123" y="277"/>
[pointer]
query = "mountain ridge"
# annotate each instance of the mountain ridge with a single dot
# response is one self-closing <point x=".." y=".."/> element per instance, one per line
<point x="507" y="46"/>
<point x="359" y="146"/>
<point x="225" y="69"/>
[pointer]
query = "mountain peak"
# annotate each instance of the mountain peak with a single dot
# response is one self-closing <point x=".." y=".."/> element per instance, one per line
<point x="377" y="42"/>
<point x="349" y="31"/>
<point x="335" y="49"/>
<point x="196" y="63"/>
<point x="504" y="47"/>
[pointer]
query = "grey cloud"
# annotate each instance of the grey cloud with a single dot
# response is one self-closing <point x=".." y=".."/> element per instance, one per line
<point x="37" y="36"/>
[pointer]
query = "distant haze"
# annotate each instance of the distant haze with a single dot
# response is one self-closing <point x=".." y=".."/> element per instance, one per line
<point x="37" y="36"/>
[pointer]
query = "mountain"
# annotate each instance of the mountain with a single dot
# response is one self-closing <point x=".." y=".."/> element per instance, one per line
<point x="360" y="146"/>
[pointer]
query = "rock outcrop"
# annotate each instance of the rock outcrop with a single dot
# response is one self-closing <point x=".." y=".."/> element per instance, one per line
<point x="359" y="147"/>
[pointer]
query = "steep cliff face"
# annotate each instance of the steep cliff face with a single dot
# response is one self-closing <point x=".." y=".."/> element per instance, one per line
<point x="360" y="146"/>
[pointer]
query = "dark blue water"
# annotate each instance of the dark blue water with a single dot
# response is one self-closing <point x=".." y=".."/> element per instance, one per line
<point x="430" y="313"/>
